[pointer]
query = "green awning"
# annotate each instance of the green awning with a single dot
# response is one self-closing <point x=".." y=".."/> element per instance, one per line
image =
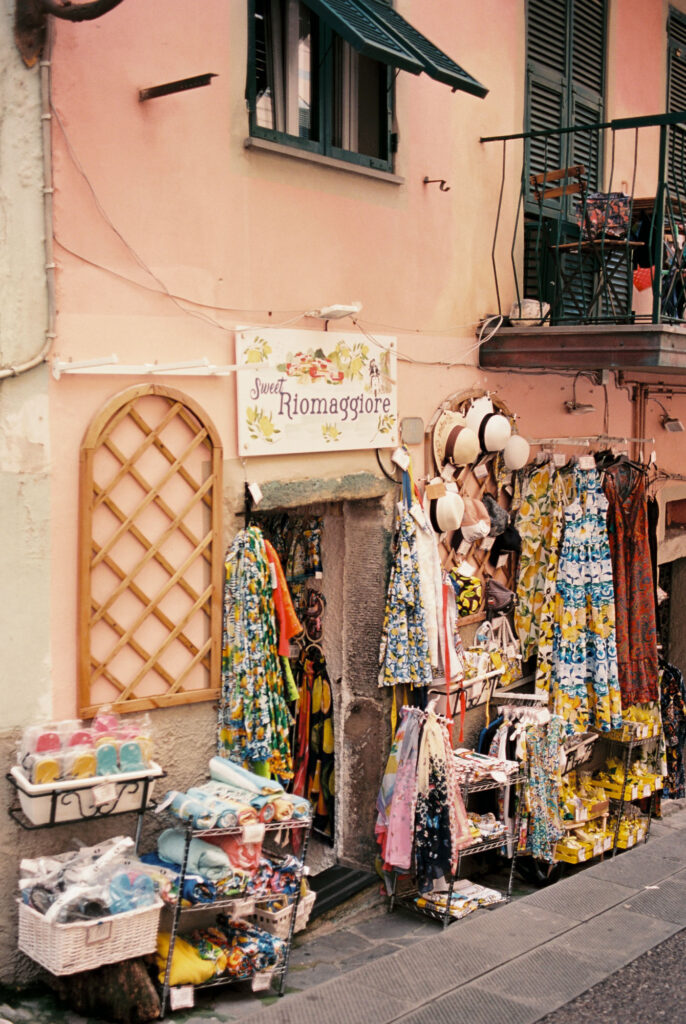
<point x="377" y="31"/>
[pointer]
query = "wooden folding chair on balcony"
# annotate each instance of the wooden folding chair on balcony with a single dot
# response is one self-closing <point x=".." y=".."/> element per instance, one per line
<point x="605" y="257"/>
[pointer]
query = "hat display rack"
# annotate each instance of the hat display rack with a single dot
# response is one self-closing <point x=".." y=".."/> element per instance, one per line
<point x="464" y="438"/>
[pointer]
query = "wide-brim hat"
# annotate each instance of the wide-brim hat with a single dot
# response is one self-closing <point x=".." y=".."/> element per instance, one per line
<point x="445" y="512"/>
<point x="516" y="452"/>
<point x="492" y="428"/>
<point x="453" y="441"/>
<point x="476" y="522"/>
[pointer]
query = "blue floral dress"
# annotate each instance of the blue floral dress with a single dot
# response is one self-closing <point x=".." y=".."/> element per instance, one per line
<point x="585" y="677"/>
<point x="404" y="654"/>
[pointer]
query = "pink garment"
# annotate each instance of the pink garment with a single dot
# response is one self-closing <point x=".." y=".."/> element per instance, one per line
<point x="400" y="837"/>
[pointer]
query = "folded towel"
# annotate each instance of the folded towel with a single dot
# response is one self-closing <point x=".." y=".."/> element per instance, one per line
<point x="203" y="859"/>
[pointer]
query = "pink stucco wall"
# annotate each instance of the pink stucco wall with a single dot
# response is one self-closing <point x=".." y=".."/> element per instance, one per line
<point x="162" y="196"/>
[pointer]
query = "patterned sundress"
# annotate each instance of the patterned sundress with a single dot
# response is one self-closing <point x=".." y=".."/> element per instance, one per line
<point x="539" y="522"/>
<point x="627" y="522"/>
<point x="586" y="683"/>
<point x="404" y="651"/>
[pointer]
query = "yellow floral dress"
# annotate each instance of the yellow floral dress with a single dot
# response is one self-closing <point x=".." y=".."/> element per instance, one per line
<point x="540" y="520"/>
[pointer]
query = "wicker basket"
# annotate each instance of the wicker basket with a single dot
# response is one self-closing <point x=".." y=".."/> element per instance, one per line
<point x="83" y="945"/>
<point x="277" y="921"/>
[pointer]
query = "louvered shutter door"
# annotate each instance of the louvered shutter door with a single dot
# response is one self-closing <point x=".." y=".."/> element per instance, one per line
<point x="588" y="77"/>
<point x="676" y="100"/>
<point x="546" y="85"/>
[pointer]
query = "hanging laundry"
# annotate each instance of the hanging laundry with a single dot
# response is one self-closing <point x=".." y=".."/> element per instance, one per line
<point x="254" y="718"/>
<point x="628" y="527"/>
<point x="586" y="686"/>
<point x="404" y="652"/>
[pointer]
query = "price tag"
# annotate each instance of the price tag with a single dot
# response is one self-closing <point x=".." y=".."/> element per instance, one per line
<point x="582" y="855"/>
<point x="586" y="462"/>
<point x="274" y="580"/>
<point x="181" y="997"/>
<point x="646" y="791"/>
<point x="435" y="490"/>
<point x="502" y="561"/>
<point x="253" y="833"/>
<point x="634" y="792"/>
<point x="262" y="980"/>
<point x="417" y="513"/>
<point x="256" y="495"/>
<point x="480" y="471"/>
<point x="401" y="458"/>
<point x="463" y="547"/>
<point x="487" y="543"/>
<point x="597" y="849"/>
<point x="104" y="794"/>
<point x="318" y="575"/>
<point x="630" y="841"/>
<point x="559" y="459"/>
<point x="607" y="845"/>
<point x="466" y="569"/>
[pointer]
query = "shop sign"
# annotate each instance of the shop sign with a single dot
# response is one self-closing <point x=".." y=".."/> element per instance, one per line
<point x="301" y="391"/>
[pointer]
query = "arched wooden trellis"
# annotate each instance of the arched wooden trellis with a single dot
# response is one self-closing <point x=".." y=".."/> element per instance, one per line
<point x="476" y="486"/>
<point x="150" y="555"/>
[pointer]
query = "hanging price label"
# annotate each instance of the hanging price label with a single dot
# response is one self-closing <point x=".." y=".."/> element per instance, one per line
<point x="181" y="997"/>
<point x="253" y="833"/>
<point x="480" y="471"/>
<point x="104" y="794"/>
<point x="401" y="458"/>
<point x="262" y="980"/>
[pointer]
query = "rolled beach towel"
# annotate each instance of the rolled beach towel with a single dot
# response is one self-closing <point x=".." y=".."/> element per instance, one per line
<point x="223" y="770"/>
<point x="203" y="858"/>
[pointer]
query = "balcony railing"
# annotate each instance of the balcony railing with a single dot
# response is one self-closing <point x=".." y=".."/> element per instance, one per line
<point x="596" y="240"/>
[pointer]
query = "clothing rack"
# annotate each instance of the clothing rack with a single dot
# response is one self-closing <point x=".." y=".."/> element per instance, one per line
<point x="590" y="439"/>
<point x="420" y="713"/>
<point x="529" y="716"/>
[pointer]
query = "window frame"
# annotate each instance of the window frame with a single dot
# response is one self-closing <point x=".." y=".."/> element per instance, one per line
<point x="325" y="91"/>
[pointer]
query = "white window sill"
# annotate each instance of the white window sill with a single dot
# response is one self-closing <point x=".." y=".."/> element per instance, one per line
<point x="323" y="161"/>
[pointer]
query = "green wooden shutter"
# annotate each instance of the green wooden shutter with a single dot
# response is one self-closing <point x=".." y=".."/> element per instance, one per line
<point x="676" y="100"/>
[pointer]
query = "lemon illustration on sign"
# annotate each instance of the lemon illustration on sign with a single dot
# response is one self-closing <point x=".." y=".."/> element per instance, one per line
<point x="261" y="425"/>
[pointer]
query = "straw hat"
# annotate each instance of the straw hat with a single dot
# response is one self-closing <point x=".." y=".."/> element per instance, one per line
<point x="516" y="452"/>
<point x="492" y="428"/>
<point x="445" y="512"/>
<point x="453" y="441"/>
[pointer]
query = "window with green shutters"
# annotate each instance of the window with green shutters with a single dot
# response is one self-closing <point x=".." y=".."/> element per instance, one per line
<point x="565" y="83"/>
<point x="676" y="99"/>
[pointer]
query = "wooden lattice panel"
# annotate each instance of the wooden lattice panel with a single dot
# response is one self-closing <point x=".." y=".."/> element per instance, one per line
<point x="150" y="558"/>
<point x="471" y="484"/>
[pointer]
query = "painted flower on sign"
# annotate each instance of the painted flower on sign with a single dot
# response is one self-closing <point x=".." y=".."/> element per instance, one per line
<point x="261" y="424"/>
<point x="331" y="432"/>
<point x="258" y="351"/>
<point x="310" y="366"/>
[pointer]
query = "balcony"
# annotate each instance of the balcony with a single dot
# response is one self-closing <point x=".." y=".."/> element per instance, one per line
<point x="595" y="279"/>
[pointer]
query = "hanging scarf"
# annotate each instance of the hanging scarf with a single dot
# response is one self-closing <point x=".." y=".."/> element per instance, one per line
<point x="254" y="718"/>
<point x="441" y="820"/>
<point x="314" y="754"/>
